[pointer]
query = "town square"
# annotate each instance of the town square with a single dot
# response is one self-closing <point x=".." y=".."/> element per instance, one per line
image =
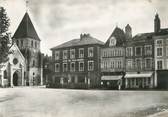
<point x="42" y="102"/>
<point x="83" y="58"/>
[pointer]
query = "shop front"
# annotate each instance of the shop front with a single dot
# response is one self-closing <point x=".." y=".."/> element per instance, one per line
<point x="139" y="80"/>
<point x="111" y="82"/>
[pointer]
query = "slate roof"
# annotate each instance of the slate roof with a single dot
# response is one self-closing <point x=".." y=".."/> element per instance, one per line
<point x="85" y="40"/>
<point x="26" y="29"/>
<point x="141" y="36"/>
<point x="150" y="35"/>
<point x="119" y="35"/>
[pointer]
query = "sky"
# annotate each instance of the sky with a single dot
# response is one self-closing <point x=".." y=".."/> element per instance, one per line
<point x="58" y="21"/>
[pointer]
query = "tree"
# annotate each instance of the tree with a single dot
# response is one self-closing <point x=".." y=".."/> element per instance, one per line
<point x="4" y="36"/>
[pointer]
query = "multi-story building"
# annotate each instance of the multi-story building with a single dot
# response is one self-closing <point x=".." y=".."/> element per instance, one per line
<point x="140" y="62"/>
<point x="144" y="55"/>
<point x="161" y="55"/>
<point x="113" y="60"/>
<point x="76" y="63"/>
<point x="28" y="42"/>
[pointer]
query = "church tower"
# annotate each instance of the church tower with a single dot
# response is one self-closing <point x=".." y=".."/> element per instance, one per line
<point x="28" y="42"/>
<point x="128" y="31"/>
<point x="156" y="23"/>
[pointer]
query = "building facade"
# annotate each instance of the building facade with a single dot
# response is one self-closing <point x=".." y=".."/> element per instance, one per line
<point x="147" y="62"/>
<point x="113" y="60"/>
<point x="76" y="63"/>
<point x="28" y="42"/>
<point x="161" y="54"/>
<point x="140" y="62"/>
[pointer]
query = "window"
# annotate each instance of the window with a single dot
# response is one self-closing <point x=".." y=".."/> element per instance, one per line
<point x="112" y="64"/>
<point x="119" y="64"/>
<point x="129" y="64"/>
<point x="31" y="43"/>
<point x="166" y="50"/>
<point x="57" y="67"/>
<point x="105" y="64"/>
<point x="148" y="63"/>
<point x="21" y="43"/>
<point x="166" y="41"/>
<point x="139" y="64"/>
<point x="149" y="81"/>
<point x="81" y="52"/>
<point x="17" y="42"/>
<point x="72" y="53"/>
<point x="35" y="44"/>
<point x="72" y="68"/>
<point x="90" y="52"/>
<point x="65" y="67"/>
<point x="159" y="51"/>
<point x="81" y="66"/>
<point x="65" y="54"/>
<point x="129" y="51"/>
<point x="116" y="52"/>
<point x="138" y="51"/>
<point x="33" y="62"/>
<point x="159" y="42"/>
<point x="137" y="81"/>
<point x="159" y="64"/>
<point x="90" y="65"/>
<point x="148" y="50"/>
<point x="57" y="54"/>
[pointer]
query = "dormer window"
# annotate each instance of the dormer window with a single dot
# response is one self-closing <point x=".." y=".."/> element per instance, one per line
<point x="112" y="41"/>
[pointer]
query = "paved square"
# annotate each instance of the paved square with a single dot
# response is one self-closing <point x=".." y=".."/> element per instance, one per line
<point x="42" y="102"/>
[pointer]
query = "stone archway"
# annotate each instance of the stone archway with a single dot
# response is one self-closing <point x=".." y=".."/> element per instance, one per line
<point x="15" y="79"/>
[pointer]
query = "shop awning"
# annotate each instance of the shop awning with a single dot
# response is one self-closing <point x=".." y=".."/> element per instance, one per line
<point x="114" y="77"/>
<point x="140" y="75"/>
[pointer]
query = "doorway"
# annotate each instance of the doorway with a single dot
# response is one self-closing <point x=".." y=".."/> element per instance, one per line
<point x="15" y="79"/>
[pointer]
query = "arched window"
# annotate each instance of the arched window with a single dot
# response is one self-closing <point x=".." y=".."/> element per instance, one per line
<point x="5" y="74"/>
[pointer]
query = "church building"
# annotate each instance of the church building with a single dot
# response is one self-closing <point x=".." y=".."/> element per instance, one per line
<point x="28" y="42"/>
<point x="12" y="71"/>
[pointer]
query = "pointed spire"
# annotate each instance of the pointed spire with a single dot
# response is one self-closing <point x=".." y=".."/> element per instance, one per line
<point x="27" y="3"/>
<point x="26" y="29"/>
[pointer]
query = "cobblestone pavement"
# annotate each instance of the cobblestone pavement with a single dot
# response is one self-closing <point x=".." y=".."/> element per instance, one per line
<point x="42" y="102"/>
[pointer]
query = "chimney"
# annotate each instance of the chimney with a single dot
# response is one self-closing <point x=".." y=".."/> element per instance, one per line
<point x="83" y="36"/>
<point x="156" y="23"/>
<point x="128" y="31"/>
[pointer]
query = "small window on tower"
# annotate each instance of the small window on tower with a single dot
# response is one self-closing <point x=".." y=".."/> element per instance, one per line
<point x="35" y="44"/>
<point x="31" y="43"/>
<point x="17" y="42"/>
